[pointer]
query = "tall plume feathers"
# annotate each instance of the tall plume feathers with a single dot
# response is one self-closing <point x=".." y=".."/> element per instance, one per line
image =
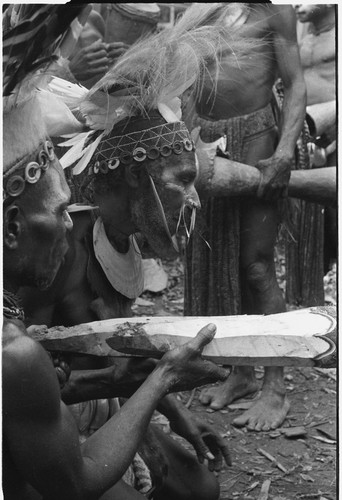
<point x="31" y="36"/>
<point x="164" y="65"/>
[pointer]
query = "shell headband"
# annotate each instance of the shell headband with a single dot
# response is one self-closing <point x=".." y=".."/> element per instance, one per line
<point x="159" y="140"/>
<point x="28" y="169"/>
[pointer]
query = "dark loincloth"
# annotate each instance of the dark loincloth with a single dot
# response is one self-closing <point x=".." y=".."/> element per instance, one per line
<point x="212" y="277"/>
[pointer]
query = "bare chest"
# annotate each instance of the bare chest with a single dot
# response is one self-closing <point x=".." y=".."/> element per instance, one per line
<point x="318" y="50"/>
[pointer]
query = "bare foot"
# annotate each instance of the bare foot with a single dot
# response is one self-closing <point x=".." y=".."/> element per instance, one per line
<point x="270" y="410"/>
<point x="241" y="382"/>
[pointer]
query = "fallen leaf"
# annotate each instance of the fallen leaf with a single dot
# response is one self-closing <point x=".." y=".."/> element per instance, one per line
<point x="328" y="430"/>
<point x="264" y="490"/>
<point x="293" y="432"/>
<point x="306" y="477"/>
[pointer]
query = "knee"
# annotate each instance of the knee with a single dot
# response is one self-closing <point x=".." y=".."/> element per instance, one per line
<point x="259" y="275"/>
<point x="206" y="487"/>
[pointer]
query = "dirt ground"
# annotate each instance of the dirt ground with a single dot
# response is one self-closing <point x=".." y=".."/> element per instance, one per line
<point x="269" y="465"/>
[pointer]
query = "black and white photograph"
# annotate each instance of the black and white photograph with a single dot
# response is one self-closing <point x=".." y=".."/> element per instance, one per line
<point x="170" y="251"/>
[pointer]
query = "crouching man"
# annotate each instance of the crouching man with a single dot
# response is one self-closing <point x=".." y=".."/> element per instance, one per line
<point x="42" y="455"/>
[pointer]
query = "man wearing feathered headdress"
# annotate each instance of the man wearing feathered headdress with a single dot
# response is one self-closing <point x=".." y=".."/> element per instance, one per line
<point x="42" y="456"/>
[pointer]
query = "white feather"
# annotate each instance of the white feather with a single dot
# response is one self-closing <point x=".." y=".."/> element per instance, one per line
<point x="70" y="93"/>
<point x="167" y="113"/>
<point x="74" y="139"/>
<point x="88" y="153"/>
<point x="76" y="151"/>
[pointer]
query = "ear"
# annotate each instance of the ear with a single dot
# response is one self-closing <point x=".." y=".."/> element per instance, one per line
<point x="132" y="175"/>
<point x="12" y="226"/>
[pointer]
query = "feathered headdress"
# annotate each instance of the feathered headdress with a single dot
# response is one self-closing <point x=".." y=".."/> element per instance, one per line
<point x="145" y="84"/>
<point x="134" y="111"/>
<point x="33" y="36"/>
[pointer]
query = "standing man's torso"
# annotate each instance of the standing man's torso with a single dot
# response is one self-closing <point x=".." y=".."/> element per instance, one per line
<point x="244" y="83"/>
<point x="317" y="53"/>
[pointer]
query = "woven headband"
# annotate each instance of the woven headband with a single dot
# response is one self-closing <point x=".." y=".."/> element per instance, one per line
<point x="138" y="145"/>
<point x="28" y="169"/>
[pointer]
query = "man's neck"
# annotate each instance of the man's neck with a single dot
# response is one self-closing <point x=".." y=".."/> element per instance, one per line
<point x="325" y="23"/>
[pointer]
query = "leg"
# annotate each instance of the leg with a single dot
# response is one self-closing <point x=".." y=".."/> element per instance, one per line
<point x="187" y="479"/>
<point x="262" y="295"/>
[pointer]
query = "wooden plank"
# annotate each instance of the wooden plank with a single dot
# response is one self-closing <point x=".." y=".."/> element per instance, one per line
<point x="286" y="339"/>
<point x="231" y="178"/>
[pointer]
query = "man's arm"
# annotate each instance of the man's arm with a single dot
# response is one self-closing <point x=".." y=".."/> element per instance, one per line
<point x="276" y="170"/>
<point x="121" y="379"/>
<point x="206" y="440"/>
<point x="42" y="437"/>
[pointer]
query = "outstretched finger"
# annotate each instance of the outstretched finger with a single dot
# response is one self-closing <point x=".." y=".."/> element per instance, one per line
<point x="204" y="337"/>
<point x="226" y="454"/>
<point x="202" y="451"/>
<point x="220" y="449"/>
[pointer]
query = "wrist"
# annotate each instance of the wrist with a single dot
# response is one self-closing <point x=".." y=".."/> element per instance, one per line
<point x="162" y="380"/>
<point x="172" y="408"/>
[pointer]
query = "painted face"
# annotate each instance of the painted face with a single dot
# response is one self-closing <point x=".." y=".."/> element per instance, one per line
<point x="43" y="242"/>
<point x="174" y="181"/>
<point x="307" y="13"/>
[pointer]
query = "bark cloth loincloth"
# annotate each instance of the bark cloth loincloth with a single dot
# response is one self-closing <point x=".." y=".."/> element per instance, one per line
<point x="212" y="281"/>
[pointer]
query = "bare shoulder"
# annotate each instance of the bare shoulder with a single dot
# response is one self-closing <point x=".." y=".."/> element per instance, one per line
<point x="26" y="371"/>
<point x="97" y="21"/>
<point x="281" y="18"/>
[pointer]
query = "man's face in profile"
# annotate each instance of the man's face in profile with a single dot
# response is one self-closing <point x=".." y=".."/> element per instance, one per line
<point x="308" y="13"/>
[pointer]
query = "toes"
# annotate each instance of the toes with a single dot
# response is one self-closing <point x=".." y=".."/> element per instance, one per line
<point x="266" y="427"/>
<point x="204" y="397"/>
<point x="253" y="425"/>
<point x="278" y="421"/>
<point x="240" y="421"/>
<point x="217" y="405"/>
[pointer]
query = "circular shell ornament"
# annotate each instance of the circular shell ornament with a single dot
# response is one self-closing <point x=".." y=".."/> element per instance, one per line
<point x="49" y="150"/>
<point x="43" y="159"/>
<point x="187" y="144"/>
<point x="32" y="172"/>
<point x="125" y="158"/>
<point x="113" y="163"/>
<point x="103" y="167"/>
<point x="15" y="185"/>
<point x="153" y="153"/>
<point x="178" y="147"/>
<point x="165" y="150"/>
<point x="139" y="154"/>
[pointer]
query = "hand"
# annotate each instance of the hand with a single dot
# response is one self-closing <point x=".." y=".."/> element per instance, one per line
<point x="129" y="374"/>
<point x="275" y="176"/>
<point x="115" y="50"/>
<point x="206" y="441"/>
<point x="90" y="61"/>
<point x="184" y="368"/>
<point x="61" y="362"/>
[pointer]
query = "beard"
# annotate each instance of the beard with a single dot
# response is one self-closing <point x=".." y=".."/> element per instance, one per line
<point x="147" y="220"/>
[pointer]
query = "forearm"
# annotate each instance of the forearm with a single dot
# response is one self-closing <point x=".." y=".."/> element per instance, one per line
<point x="84" y="385"/>
<point x="292" y="117"/>
<point x="110" y="450"/>
<point x="171" y="408"/>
